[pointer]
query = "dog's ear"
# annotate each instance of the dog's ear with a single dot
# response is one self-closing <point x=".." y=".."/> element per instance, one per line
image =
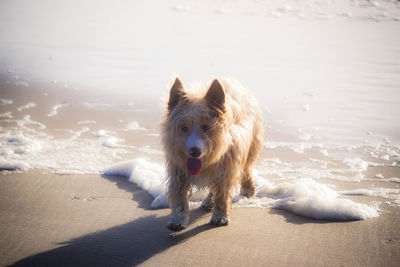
<point x="216" y="96"/>
<point x="176" y="93"/>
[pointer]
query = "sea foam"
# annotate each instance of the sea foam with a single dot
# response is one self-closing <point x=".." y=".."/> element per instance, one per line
<point x="26" y="106"/>
<point x="54" y="109"/>
<point x="304" y="197"/>
<point x="4" y="101"/>
<point x="311" y="199"/>
<point x="134" y="125"/>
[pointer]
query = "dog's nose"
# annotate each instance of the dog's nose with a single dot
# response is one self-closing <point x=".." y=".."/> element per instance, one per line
<point x="194" y="152"/>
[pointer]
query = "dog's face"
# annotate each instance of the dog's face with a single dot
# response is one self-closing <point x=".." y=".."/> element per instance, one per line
<point x="194" y="127"/>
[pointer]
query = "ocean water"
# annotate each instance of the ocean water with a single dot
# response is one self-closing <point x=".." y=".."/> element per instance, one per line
<point x="326" y="74"/>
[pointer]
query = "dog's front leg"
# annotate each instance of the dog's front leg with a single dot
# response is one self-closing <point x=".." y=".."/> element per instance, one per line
<point x="178" y="194"/>
<point x="223" y="202"/>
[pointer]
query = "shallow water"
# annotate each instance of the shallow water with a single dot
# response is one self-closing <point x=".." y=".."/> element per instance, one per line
<point x="82" y="85"/>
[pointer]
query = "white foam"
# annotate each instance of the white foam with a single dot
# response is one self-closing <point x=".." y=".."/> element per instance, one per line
<point x="14" y="148"/>
<point x="27" y="146"/>
<point x="6" y="115"/>
<point x="134" y="125"/>
<point x="111" y="141"/>
<point x="75" y="134"/>
<point x="304" y="196"/>
<point x="356" y="164"/>
<point x="4" y="101"/>
<point x="13" y="165"/>
<point x="311" y="199"/>
<point x="27" y="121"/>
<point x="54" y="109"/>
<point x="100" y="133"/>
<point x="106" y="139"/>
<point x="26" y="106"/>
<point x="324" y="152"/>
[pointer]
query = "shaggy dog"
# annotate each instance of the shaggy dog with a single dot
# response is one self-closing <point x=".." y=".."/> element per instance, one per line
<point x="212" y="137"/>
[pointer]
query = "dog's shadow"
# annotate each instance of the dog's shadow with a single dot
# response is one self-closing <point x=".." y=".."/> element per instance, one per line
<point x="124" y="245"/>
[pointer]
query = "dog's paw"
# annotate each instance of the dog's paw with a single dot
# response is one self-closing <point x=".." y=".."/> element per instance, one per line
<point x="247" y="192"/>
<point x="207" y="204"/>
<point x="247" y="188"/>
<point x="178" y="222"/>
<point x="175" y="227"/>
<point x="219" y="219"/>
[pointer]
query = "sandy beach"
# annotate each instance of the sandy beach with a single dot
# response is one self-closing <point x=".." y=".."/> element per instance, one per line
<point x="70" y="220"/>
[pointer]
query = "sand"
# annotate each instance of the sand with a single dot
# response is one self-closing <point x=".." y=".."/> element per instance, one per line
<point x="70" y="220"/>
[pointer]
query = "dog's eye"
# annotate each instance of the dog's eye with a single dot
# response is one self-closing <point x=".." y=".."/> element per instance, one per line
<point x="205" y="128"/>
<point x="184" y="128"/>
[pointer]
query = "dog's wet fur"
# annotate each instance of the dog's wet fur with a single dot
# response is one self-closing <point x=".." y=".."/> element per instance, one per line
<point x="212" y="136"/>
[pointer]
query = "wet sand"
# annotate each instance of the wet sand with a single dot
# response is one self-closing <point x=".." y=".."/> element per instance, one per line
<point x="75" y="220"/>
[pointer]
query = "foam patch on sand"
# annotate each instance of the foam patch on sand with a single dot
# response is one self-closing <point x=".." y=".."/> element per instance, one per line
<point x="106" y="139"/>
<point x="311" y="199"/>
<point x="31" y="148"/>
<point x="26" y="122"/>
<point x="26" y="106"/>
<point x="356" y="164"/>
<point x="54" y="109"/>
<point x="304" y="196"/>
<point x="4" y="101"/>
<point x="134" y="125"/>
<point x="6" y="115"/>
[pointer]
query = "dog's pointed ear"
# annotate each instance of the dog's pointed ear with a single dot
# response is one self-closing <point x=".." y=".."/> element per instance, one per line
<point x="216" y="95"/>
<point x="175" y="94"/>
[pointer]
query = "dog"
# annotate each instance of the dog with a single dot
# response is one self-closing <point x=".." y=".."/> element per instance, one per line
<point x="212" y="137"/>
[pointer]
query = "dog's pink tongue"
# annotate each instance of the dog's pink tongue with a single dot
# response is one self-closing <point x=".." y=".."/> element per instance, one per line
<point x="193" y="166"/>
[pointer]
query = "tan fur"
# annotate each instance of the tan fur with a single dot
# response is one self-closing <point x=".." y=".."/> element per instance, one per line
<point x="233" y="140"/>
